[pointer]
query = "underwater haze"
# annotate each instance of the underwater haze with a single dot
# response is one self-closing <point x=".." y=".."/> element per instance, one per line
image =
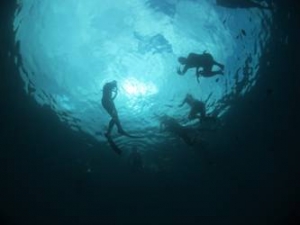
<point x="70" y="49"/>
<point x="238" y="164"/>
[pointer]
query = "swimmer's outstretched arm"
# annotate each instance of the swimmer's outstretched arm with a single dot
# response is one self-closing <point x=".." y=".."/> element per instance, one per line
<point x="115" y="91"/>
<point x="183" y="71"/>
<point x="198" y="73"/>
<point x="182" y="103"/>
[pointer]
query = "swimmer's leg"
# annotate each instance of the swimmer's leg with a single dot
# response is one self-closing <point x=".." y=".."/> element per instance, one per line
<point x="212" y="73"/>
<point x="110" y="126"/>
<point x="120" y="128"/>
<point x="219" y="65"/>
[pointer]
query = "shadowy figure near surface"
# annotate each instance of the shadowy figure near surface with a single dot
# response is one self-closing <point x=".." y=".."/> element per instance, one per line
<point x="197" y="109"/>
<point x="110" y="92"/>
<point x="171" y="125"/>
<point x="203" y="63"/>
<point x="135" y="160"/>
<point x="241" y="4"/>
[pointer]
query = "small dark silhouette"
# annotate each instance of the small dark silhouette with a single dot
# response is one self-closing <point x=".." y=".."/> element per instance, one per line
<point x="110" y="92"/>
<point x="203" y="63"/>
<point x="241" y="4"/>
<point x="171" y="125"/>
<point x="135" y="160"/>
<point x="198" y="109"/>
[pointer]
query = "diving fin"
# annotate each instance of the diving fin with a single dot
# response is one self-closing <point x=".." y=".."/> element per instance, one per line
<point x="128" y="135"/>
<point x="113" y="145"/>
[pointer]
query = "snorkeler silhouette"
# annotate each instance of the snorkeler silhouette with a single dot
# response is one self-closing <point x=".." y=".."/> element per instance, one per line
<point x="198" y="110"/>
<point x="204" y="61"/>
<point x="110" y="92"/>
<point x="171" y="125"/>
<point x="241" y="4"/>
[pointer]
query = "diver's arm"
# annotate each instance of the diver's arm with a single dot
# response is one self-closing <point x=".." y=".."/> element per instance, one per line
<point x="182" y="103"/>
<point x="115" y="91"/>
<point x="198" y="74"/>
<point x="184" y="69"/>
<point x="179" y="71"/>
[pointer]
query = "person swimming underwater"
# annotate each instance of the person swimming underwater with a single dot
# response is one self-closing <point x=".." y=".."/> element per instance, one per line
<point x="197" y="108"/>
<point x="110" y="92"/>
<point x="203" y="63"/>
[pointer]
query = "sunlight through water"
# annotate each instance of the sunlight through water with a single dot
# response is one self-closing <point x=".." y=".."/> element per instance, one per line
<point x="70" y="49"/>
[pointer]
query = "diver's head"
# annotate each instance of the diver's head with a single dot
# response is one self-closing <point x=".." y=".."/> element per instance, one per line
<point x="189" y="98"/>
<point x="182" y="60"/>
<point x="113" y="84"/>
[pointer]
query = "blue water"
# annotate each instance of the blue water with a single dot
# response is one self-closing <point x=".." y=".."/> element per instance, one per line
<point x="72" y="49"/>
<point x="57" y="167"/>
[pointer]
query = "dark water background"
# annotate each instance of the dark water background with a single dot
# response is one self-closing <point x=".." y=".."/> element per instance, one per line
<point x="254" y="178"/>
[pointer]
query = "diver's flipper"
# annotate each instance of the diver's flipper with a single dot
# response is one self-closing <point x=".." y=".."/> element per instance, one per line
<point x="113" y="145"/>
<point x="131" y="136"/>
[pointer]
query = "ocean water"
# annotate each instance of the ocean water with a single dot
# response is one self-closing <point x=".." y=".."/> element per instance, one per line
<point x="74" y="48"/>
<point x="58" y="167"/>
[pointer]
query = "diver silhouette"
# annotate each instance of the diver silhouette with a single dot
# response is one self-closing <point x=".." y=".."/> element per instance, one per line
<point x="198" y="61"/>
<point x="241" y="4"/>
<point x="110" y="92"/>
<point x="171" y="125"/>
<point x="198" y="110"/>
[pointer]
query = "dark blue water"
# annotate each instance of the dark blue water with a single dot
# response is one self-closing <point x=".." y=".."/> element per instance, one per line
<point x="247" y="173"/>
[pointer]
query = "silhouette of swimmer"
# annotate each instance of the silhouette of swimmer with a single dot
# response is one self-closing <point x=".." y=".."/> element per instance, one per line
<point x="171" y="125"/>
<point x="198" y="61"/>
<point x="198" y="110"/>
<point x="135" y="160"/>
<point x="241" y="4"/>
<point x="110" y="92"/>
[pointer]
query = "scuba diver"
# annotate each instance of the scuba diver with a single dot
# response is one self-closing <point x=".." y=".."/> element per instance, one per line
<point x="135" y="160"/>
<point x="110" y="92"/>
<point x="171" y="125"/>
<point x="241" y="4"/>
<point x="198" y="110"/>
<point x="204" y="61"/>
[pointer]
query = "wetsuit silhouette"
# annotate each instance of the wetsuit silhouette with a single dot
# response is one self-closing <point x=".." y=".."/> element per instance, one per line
<point x="197" y="107"/>
<point x="241" y="4"/>
<point x="203" y="61"/>
<point x="110" y="92"/>
<point x="169" y="124"/>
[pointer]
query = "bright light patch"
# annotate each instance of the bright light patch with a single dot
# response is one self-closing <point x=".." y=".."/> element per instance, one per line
<point x="70" y="49"/>
<point x="136" y="88"/>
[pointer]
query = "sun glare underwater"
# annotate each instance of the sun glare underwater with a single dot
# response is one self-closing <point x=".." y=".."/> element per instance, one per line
<point x="70" y="49"/>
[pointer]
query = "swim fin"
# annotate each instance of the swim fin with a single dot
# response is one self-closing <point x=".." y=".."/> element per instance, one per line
<point x="113" y="145"/>
<point x="131" y="136"/>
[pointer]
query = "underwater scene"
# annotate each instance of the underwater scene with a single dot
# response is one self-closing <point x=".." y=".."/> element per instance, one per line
<point x="149" y="112"/>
